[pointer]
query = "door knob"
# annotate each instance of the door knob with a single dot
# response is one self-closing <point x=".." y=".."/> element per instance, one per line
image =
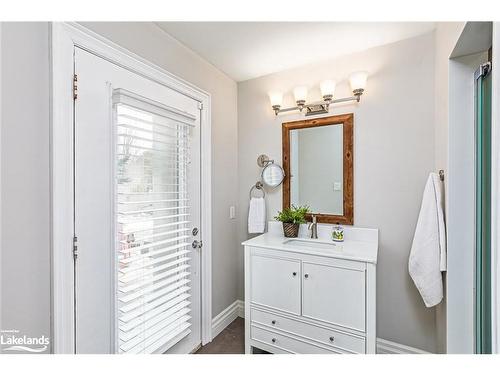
<point x="273" y="340"/>
<point x="306" y="275"/>
<point x="294" y="273"/>
<point x="197" y="244"/>
<point x="195" y="231"/>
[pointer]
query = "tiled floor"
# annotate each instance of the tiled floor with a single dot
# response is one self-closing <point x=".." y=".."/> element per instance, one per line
<point x="230" y="341"/>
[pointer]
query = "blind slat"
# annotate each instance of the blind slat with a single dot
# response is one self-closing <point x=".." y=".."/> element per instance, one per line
<point x="154" y="235"/>
<point x="144" y="264"/>
<point x="180" y="137"/>
<point x="144" y="272"/>
<point x="146" y="333"/>
<point x="151" y="218"/>
<point x="129" y="259"/>
<point x="154" y="316"/>
<point x="152" y="244"/>
<point x="151" y="210"/>
<point x="171" y="339"/>
<point x="153" y="298"/>
<point x="138" y="294"/>
<point x="155" y="140"/>
<point x="154" y="201"/>
<point x="133" y="231"/>
<point x="149" y="278"/>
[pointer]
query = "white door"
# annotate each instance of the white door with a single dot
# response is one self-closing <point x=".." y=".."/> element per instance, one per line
<point x="334" y="294"/>
<point x="137" y="204"/>
<point x="276" y="283"/>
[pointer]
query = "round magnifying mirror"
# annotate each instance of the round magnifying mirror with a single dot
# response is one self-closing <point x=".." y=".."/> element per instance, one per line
<point x="273" y="175"/>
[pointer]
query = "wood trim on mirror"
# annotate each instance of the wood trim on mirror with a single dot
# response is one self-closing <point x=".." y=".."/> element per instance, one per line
<point x="348" y="173"/>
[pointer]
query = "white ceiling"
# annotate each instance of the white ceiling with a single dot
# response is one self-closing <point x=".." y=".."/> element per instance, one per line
<point x="246" y="50"/>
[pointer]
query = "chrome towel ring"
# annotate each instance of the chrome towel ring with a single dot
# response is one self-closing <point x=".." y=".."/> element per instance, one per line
<point x="258" y="186"/>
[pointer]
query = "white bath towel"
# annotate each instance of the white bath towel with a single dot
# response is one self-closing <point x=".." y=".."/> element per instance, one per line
<point x="428" y="251"/>
<point x="257" y="215"/>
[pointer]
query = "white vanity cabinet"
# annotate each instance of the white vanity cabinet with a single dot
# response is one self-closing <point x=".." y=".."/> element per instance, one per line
<point x="308" y="300"/>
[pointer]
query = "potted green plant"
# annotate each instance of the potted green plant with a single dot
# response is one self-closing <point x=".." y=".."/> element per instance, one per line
<point x="292" y="217"/>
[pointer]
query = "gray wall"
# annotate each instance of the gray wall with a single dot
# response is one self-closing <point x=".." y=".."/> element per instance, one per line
<point x="25" y="175"/>
<point x="25" y="241"/>
<point x="394" y="151"/>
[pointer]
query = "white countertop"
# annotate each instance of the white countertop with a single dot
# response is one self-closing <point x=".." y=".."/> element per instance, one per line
<point x="360" y="244"/>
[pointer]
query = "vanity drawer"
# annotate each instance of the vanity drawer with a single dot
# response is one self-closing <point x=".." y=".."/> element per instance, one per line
<point x="341" y="340"/>
<point x="287" y="343"/>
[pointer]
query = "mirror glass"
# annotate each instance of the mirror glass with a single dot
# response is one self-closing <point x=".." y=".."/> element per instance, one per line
<point x="316" y="168"/>
<point x="272" y="175"/>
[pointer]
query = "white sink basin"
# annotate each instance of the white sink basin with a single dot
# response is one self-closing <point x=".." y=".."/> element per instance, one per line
<point x="312" y="244"/>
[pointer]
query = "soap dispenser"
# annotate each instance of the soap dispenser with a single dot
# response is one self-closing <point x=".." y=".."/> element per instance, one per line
<point x="338" y="233"/>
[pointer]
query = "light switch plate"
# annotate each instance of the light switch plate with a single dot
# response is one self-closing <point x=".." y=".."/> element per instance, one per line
<point x="337" y="186"/>
<point x="232" y="212"/>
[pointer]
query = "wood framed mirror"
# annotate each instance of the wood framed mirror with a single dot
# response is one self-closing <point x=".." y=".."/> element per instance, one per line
<point x="318" y="165"/>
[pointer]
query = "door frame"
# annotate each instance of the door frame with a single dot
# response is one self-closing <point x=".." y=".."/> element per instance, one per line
<point x="64" y="37"/>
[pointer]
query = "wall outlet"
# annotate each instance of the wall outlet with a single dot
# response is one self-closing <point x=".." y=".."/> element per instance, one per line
<point x="337" y="186"/>
<point x="232" y="212"/>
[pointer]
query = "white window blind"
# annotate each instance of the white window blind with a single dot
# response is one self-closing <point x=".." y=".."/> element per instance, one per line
<point x="152" y="224"/>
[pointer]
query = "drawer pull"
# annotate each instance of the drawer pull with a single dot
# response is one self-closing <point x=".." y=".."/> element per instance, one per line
<point x="332" y="339"/>
<point x="273" y="340"/>
<point x="294" y="273"/>
<point x="273" y="322"/>
<point x="306" y="275"/>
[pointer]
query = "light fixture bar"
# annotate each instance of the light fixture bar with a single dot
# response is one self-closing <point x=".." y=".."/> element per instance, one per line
<point x="322" y="106"/>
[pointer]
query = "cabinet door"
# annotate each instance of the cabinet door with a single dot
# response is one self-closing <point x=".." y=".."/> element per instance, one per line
<point x="334" y="294"/>
<point x="275" y="282"/>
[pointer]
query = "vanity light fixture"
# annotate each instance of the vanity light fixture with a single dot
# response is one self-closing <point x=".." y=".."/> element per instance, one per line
<point x="276" y="99"/>
<point x="327" y="90"/>
<point x="358" y="83"/>
<point x="327" y="87"/>
<point x="300" y="94"/>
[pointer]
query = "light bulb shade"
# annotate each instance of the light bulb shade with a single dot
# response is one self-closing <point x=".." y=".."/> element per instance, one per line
<point x="300" y="93"/>
<point x="327" y="88"/>
<point x="358" y="80"/>
<point x="276" y="98"/>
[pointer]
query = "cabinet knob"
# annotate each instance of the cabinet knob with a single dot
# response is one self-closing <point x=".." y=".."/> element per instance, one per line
<point x="273" y="322"/>
<point x="306" y="275"/>
<point x="294" y="273"/>
<point x="332" y="339"/>
<point x="273" y="340"/>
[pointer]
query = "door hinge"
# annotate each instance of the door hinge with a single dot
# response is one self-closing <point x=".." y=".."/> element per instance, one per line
<point x="75" y="86"/>
<point x="75" y="247"/>
<point x="200" y="106"/>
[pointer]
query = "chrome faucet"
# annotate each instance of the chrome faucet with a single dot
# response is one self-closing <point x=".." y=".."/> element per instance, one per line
<point x="313" y="227"/>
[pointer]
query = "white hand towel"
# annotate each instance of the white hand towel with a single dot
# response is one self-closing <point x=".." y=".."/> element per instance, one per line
<point x="257" y="215"/>
<point x="428" y="251"/>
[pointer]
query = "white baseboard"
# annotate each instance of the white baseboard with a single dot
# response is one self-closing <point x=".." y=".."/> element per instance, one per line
<point x="226" y="317"/>
<point x="237" y="309"/>
<point x="391" y="347"/>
